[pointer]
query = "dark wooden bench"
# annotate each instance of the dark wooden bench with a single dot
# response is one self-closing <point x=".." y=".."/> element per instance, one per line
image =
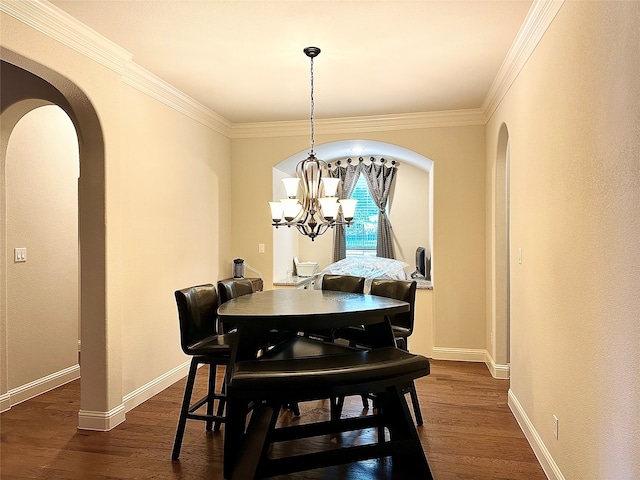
<point x="273" y="381"/>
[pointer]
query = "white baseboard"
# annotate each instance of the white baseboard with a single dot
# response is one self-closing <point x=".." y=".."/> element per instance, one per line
<point x="459" y="354"/>
<point x="145" y="392"/>
<point x="94" y="420"/>
<point x="497" y="370"/>
<point x="101" y="421"/>
<point x="539" y="449"/>
<point x="104" y="421"/>
<point x="5" y="402"/>
<point x="37" y="387"/>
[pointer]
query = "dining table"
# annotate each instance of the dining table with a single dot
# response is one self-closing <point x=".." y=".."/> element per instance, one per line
<point x="261" y="316"/>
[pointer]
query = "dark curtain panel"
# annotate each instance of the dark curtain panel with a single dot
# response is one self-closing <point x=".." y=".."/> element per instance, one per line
<point x="379" y="180"/>
<point x="349" y="175"/>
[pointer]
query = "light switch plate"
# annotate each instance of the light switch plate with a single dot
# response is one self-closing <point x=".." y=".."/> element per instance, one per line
<point x="20" y="254"/>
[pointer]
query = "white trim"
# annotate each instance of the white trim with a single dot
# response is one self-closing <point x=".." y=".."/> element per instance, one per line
<point x="5" y="402"/>
<point x="459" y="354"/>
<point x="547" y="462"/>
<point x="153" y="86"/>
<point x="352" y="125"/>
<point x="37" y="387"/>
<point x="145" y="392"/>
<point x="104" y="421"/>
<point x="539" y="17"/>
<point x="101" y="421"/>
<point x="497" y="370"/>
<point x="59" y="25"/>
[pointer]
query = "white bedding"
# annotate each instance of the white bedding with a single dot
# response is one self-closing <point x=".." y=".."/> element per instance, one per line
<point x="367" y="267"/>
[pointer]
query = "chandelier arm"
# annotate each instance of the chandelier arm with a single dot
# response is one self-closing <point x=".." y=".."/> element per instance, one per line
<point x="323" y="227"/>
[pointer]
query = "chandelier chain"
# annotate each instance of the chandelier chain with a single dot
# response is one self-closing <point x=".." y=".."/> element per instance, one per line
<point x="312" y="108"/>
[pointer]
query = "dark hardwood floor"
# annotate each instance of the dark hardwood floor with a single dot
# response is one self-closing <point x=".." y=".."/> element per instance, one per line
<point x="468" y="433"/>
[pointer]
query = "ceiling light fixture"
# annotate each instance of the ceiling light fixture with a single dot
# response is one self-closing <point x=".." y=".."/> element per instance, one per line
<point x="318" y="207"/>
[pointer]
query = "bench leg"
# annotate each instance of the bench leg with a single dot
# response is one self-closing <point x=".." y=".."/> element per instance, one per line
<point x="401" y="426"/>
<point x="255" y="443"/>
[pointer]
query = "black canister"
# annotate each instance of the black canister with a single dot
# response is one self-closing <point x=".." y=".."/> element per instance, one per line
<point x="238" y="268"/>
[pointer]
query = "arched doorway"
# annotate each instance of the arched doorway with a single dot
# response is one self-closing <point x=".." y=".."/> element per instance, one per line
<point x="41" y="184"/>
<point x="28" y="85"/>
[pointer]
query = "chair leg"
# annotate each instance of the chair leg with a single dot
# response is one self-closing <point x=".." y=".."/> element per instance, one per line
<point x="221" y="403"/>
<point x="211" y="394"/>
<point x="416" y="403"/>
<point x="186" y="400"/>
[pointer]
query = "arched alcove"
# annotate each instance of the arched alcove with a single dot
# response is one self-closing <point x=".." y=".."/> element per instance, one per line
<point x="25" y="86"/>
<point x="289" y="241"/>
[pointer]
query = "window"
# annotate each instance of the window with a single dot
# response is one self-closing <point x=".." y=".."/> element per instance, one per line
<point x="362" y="235"/>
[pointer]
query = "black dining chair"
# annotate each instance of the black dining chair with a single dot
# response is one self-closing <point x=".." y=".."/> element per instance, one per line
<point x="337" y="283"/>
<point x="199" y="338"/>
<point x="343" y="283"/>
<point x="237" y="287"/>
<point x="232" y="288"/>
<point x="402" y="323"/>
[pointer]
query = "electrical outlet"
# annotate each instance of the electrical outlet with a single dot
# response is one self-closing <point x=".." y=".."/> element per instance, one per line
<point x="261" y="248"/>
<point x="555" y="427"/>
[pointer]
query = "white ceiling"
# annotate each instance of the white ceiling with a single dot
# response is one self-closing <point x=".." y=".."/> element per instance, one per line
<point x="244" y="60"/>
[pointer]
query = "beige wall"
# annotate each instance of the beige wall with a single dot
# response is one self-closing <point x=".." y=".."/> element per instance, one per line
<point x="574" y="123"/>
<point x="459" y="243"/>
<point x="42" y="216"/>
<point x="409" y="212"/>
<point x="174" y="191"/>
<point x="252" y="165"/>
<point x="167" y="219"/>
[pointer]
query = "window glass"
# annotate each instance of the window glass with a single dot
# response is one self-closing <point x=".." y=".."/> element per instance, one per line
<point x="362" y="235"/>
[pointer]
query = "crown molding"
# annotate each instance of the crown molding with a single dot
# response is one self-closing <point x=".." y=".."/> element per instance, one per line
<point x="378" y="123"/>
<point x="148" y="83"/>
<point x="55" y="23"/>
<point x="58" y="25"/>
<point x="539" y="17"/>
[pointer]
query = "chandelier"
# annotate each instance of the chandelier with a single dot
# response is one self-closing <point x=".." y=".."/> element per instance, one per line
<point x="317" y="207"/>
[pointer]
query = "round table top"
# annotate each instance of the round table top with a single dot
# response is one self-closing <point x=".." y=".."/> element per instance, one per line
<point x="302" y="308"/>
